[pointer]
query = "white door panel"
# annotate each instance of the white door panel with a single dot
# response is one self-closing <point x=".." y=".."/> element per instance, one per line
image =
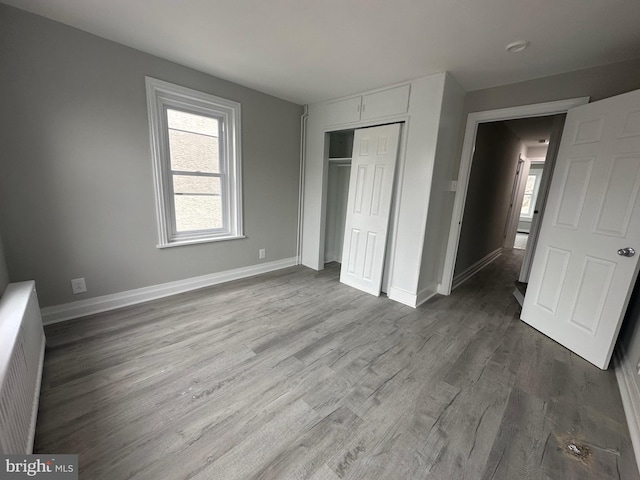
<point x="373" y="165"/>
<point x="579" y="285"/>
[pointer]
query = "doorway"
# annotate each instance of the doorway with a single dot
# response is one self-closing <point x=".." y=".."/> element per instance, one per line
<point x="474" y="122"/>
<point x="504" y="183"/>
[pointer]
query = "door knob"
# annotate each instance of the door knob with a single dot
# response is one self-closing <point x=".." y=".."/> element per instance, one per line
<point x="627" y="252"/>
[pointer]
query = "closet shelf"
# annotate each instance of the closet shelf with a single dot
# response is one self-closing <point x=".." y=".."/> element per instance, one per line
<point x="340" y="159"/>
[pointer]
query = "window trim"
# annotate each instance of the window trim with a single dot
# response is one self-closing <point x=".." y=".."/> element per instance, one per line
<point x="161" y="96"/>
<point x="537" y="173"/>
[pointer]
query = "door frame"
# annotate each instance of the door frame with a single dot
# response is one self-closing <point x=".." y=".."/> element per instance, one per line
<point x="515" y="203"/>
<point x="474" y="119"/>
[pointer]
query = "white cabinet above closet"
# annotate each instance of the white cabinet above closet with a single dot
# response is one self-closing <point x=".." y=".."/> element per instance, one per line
<point x="384" y="103"/>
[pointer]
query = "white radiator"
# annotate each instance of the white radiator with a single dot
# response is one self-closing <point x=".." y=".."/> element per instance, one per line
<point x="21" y="359"/>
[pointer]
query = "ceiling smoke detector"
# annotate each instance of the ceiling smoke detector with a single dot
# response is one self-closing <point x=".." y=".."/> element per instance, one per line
<point x="543" y="140"/>
<point x="517" y="46"/>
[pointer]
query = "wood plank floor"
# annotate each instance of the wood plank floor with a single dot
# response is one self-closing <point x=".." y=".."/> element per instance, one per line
<point x="292" y="375"/>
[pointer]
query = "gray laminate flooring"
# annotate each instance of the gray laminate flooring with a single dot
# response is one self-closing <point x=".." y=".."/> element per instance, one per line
<point x="292" y="375"/>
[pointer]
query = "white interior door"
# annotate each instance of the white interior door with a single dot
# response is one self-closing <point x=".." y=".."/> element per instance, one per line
<point x="581" y="277"/>
<point x="375" y="152"/>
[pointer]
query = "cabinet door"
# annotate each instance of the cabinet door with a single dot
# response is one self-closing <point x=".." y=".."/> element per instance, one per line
<point x="343" y="111"/>
<point x="394" y="101"/>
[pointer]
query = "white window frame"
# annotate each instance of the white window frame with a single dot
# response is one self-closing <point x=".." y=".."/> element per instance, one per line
<point x="534" y="195"/>
<point x="162" y="96"/>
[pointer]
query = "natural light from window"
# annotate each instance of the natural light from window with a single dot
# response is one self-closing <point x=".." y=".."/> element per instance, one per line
<point x="195" y="169"/>
<point x="195" y="140"/>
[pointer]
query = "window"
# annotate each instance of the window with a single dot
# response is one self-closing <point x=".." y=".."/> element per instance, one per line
<point x="530" y="193"/>
<point x="196" y="157"/>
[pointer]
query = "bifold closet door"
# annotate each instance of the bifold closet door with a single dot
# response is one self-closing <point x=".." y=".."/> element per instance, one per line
<point x="375" y="153"/>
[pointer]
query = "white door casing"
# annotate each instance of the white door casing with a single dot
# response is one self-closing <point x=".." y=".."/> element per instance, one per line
<point x="579" y="285"/>
<point x="517" y="196"/>
<point x="375" y="152"/>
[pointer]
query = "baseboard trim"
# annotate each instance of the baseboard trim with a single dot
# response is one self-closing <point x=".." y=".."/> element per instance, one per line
<point x="425" y="294"/>
<point x="332" y="258"/>
<point x="630" y="401"/>
<point x="402" y="296"/>
<point x="81" y="308"/>
<point x="519" y="297"/>
<point x="475" y="268"/>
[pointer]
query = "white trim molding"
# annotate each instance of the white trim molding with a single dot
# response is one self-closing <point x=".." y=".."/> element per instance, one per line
<point x="473" y="120"/>
<point x="402" y="296"/>
<point x="476" y="267"/>
<point x="409" y="299"/>
<point x="426" y="294"/>
<point x="165" y="100"/>
<point x="519" y="296"/>
<point x="68" y="311"/>
<point x="630" y="400"/>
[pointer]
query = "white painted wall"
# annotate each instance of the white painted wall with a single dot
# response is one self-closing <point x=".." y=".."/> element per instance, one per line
<point x="442" y="196"/>
<point x="422" y="136"/>
<point x="537" y="153"/>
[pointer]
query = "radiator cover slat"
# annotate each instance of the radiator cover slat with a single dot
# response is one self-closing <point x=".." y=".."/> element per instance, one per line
<point x="21" y="358"/>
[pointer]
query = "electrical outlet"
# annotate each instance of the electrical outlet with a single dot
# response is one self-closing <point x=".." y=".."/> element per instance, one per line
<point x="78" y="285"/>
<point x="262" y="253"/>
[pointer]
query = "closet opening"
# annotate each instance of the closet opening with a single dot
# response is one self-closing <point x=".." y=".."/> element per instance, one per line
<point x="360" y="203"/>
<point x="339" y="171"/>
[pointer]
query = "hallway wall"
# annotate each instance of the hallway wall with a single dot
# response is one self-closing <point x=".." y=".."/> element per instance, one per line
<point x="488" y="195"/>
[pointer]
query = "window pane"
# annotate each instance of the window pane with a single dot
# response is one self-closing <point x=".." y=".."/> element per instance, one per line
<point x="531" y="183"/>
<point x="197" y="212"/>
<point x="526" y="204"/>
<point x="192" y="152"/>
<point x="195" y="184"/>
<point x="193" y="142"/>
<point x="191" y="122"/>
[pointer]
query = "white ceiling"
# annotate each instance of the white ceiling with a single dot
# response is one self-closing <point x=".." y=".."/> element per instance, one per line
<point x="311" y="50"/>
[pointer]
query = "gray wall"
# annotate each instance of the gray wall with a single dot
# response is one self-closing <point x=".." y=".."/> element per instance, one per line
<point x="488" y="195"/>
<point x="598" y="83"/>
<point x="4" y="273"/>
<point x="76" y="186"/>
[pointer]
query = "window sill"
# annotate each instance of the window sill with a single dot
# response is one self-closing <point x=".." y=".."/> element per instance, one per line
<point x="182" y="243"/>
